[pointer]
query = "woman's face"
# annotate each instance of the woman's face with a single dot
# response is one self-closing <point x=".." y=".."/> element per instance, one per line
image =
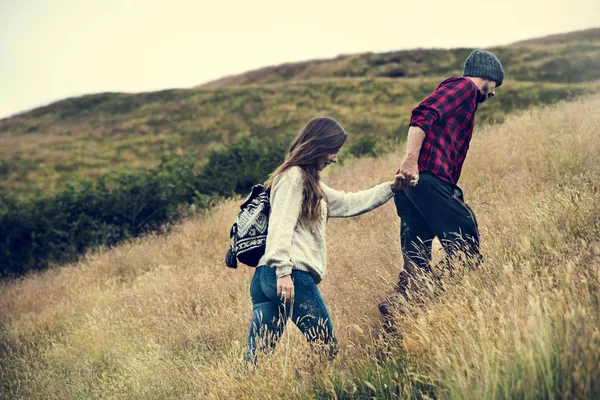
<point x="328" y="159"/>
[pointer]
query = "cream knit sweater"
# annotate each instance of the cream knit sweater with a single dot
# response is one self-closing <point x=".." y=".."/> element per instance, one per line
<point x="291" y="245"/>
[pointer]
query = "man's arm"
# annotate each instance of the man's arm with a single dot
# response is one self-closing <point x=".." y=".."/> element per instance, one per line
<point x="410" y="166"/>
<point x="444" y="101"/>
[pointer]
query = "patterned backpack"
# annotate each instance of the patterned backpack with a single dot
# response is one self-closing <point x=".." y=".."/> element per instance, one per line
<point x="249" y="230"/>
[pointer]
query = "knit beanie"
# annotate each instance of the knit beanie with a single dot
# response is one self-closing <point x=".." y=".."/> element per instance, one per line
<point x="484" y="64"/>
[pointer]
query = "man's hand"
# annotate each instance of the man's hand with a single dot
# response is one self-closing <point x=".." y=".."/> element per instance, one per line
<point x="285" y="288"/>
<point x="408" y="174"/>
<point x="410" y="166"/>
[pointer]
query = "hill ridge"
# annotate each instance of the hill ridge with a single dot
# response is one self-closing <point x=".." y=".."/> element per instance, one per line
<point x="289" y="71"/>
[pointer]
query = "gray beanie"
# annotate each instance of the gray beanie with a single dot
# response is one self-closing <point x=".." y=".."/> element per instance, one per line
<point x="484" y="64"/>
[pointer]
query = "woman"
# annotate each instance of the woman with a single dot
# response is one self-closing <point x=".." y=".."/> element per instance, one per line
<point x="285" y="283"/>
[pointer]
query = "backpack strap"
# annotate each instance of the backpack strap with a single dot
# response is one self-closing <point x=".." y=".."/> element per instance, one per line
<point x="254" y="193"/>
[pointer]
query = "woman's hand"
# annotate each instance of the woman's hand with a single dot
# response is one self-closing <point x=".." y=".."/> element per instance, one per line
<point x="404" y="179"/>
<point x="398" y="182"/>
<point x="401" y="182"/>
<point x="285" y="288"/>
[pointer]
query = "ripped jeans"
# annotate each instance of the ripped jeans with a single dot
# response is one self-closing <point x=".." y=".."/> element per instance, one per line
<point x="270" y="314"/>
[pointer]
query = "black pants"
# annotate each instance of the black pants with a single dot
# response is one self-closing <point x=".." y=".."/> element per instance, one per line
<point x="434" y="208"/>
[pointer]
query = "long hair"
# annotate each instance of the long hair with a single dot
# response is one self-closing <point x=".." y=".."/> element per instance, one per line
<point x="320" y="137"/>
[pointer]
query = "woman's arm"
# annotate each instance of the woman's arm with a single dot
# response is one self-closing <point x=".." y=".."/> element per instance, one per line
<point x="343" y="204"/>
<point x="286" y="202"/>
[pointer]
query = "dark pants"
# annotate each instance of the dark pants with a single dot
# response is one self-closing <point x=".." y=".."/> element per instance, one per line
<point x="429" y="209"/>
<point x="270" y="314"/>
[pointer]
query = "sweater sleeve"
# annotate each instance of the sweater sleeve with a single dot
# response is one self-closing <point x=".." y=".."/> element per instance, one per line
<point x="343" y="204"/>
<point x="286" y="202"/>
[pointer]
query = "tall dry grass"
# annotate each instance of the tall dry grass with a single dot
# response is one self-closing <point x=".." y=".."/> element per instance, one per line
<point x="527" y="324"/>
<point x="161" y="317"/>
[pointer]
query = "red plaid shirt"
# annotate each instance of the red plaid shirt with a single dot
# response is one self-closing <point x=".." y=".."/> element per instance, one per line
<point x="447" y="117"/>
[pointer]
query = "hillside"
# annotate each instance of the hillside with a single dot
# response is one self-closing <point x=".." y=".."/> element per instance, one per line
<point x="370" y="94"/>
<point x="161" y="317"/>
<point x="589" y="36"/>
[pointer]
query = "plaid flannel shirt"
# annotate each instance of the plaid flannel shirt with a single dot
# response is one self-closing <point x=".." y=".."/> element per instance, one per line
<point x="447" y="117"/>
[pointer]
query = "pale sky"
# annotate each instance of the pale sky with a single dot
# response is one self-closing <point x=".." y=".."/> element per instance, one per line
<point x="53" y="49"/>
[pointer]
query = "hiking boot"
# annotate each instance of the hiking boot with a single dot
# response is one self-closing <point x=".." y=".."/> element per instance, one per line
<point x="393" y="306"/>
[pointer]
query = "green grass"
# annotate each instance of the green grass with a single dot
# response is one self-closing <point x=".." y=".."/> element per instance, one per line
<point x="90" y="136"/>
<point x="386" y="375"/>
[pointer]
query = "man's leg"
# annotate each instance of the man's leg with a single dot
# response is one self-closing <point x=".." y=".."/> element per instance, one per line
<point x="450" y="219"/>
<point x="416" y="238"/>
<point x="464" y="247"/>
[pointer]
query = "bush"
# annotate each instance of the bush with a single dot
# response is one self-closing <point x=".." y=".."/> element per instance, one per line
<point x="84" y="215"/>
<point x="364" y="146"/>
<point x="237" y="167"/>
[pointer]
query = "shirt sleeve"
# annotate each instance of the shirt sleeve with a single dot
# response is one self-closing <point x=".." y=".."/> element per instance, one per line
<point x="343" y="204"/>
<point x="447" y="98"/>
<point x="286" y="202"/>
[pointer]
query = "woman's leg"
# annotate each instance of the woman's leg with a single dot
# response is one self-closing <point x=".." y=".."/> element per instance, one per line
<point x="268" y="313"/>
<point x="311" y="316"/>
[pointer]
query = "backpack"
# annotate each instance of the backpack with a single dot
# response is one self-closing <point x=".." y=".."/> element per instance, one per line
<point x="248" y="233"/>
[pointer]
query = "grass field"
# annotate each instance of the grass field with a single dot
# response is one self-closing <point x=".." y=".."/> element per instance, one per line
<point x="161" y="317"/>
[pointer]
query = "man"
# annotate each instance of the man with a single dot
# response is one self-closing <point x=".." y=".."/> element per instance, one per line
<point x="431" y="203"/>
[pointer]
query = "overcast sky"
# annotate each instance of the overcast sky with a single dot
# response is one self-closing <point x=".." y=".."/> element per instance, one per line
<point x="53" y="49"/>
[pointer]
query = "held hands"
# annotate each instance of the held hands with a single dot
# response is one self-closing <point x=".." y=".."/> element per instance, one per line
<point x="407" y="175"/>
<point x="285" y="288"/>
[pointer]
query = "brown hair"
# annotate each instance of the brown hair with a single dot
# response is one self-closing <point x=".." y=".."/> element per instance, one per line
<point x="320" y="137"/>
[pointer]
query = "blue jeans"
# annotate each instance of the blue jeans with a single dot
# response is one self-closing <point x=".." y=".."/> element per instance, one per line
<point x="270" y="314"/>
